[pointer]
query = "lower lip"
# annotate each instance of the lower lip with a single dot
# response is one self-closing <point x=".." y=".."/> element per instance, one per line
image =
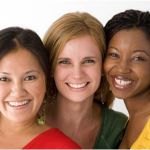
<point x="119" y="87"/>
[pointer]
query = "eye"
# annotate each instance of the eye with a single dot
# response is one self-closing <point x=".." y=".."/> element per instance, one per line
<point x="89" y="61"/>
<point x="113" y="55"/>
<point x="138" y="58"/>
<point x="4" y="79"/>
<point x="30" y="77"/>
<point x="63" y="62"/>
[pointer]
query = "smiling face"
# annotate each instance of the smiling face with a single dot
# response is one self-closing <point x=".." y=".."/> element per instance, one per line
<point x="78" y="70"/>
<point x="22" y="86"/>
<point x="127" y="65"/>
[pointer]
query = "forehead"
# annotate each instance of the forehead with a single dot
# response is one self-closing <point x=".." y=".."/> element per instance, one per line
<point x="133" y="32"/>
<point x="19" y="56"/>
<point x="20" y="52"/>
<point x="133" y="38"/>
<point x="80" y="45"/>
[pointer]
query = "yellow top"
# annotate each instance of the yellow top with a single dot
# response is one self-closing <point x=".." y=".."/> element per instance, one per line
<point x="143" y="141"/>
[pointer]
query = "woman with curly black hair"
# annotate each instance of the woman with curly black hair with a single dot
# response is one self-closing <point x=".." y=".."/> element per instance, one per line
<point x="127" y="68"/>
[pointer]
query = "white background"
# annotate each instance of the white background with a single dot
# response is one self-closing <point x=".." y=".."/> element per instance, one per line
<point x="38" y="15"/>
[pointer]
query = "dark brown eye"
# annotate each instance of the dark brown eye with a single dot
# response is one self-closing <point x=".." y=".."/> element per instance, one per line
<point x="5" y="79"/>
<point x="29" y="78"/>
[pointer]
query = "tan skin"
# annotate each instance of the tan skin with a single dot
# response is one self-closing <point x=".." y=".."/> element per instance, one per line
<point x="127" y="69"/>
<point x="19" y="98"/>
<point x="80" y="125"/>
<point x="20" y="135"/>
<point x="77" y="77"/>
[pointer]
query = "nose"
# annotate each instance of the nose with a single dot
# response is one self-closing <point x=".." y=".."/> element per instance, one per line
<point x="17" y="90"/>
<point x="123" y="66"/>
<point x="77" y="71"/>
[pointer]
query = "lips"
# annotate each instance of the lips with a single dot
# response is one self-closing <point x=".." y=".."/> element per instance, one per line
<point x="122" y="82"/>
<point x="77" y="85"/>
<point x="18" y="103"/>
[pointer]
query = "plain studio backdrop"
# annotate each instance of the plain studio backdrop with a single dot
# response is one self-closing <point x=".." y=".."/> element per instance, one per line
<point x="38" y="15"/>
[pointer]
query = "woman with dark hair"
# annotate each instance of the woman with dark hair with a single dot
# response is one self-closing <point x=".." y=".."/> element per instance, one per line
<point x="24" y="73"/>
<point x="127" y="68"/>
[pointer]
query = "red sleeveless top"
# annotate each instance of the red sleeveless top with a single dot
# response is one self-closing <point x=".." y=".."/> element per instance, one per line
<point x="53" y="139"/>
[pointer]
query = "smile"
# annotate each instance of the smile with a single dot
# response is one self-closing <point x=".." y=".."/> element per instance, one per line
<point x="122" y="82"/>
<point x="77" y="85"/>
<point x="18" y="103"/>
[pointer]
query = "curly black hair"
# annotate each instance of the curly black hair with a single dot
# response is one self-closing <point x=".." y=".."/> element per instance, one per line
<point x="126" y="20"/>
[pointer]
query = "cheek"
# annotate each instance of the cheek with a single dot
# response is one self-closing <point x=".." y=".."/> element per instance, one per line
<point x="60" y="74"/>
<point x="59" y="80"/>
<point x="38" y="89"/>
<point x="144" y="75"/>
<point x="4" y="91"/>
<point x="107" y="66"/>
<point x="96" y="73"/>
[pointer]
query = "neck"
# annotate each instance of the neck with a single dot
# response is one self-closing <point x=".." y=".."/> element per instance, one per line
<point x="73" y="118"/>
<point x="138" y="104"/>
<point x="10" y="127"/>
<point x="75" y="112"/>
<point x="72" y="113"/>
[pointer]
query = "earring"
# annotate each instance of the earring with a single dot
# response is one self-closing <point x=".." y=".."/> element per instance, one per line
<point x="41" y="118"/>
<point x="102" y="102"/>
<point x="102" y="98"/>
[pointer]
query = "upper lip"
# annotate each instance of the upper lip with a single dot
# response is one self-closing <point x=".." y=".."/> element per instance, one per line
<point x="19" y="103"/>
<point x="122" y="77"/>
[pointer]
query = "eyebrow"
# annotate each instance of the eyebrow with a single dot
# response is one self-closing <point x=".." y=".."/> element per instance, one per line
<point x="31" y="71"/>
<point x="63" y="58"/>
<point x="111" y="47"/>
<point x="136" y="50"/>
<point x="141" y="50"/>
<point x="90" y="57"/>
<point x="87" y="57"/>
<point x="6" y="73"/>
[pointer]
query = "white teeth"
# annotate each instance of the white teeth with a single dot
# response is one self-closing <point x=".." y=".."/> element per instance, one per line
<point x="17" y="103"/>
<point x="77" y="86"/>
<point x="122" y="82"/>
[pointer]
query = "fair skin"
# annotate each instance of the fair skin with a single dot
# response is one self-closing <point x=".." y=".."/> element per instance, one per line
<point x="127" y="68"/>
<point x="77" y="76"/>
<point x="21" y="80"/>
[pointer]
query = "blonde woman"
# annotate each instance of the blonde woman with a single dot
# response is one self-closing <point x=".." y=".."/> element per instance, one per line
<point x="81" y="100"/>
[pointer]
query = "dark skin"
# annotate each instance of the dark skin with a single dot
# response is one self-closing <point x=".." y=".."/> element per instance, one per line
<point x="127" y="69"/>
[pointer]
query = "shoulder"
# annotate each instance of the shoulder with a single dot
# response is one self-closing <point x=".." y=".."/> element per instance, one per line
<point x="60" y="139"/>
<point x="112" y="129"/>
<point x="52" y="138"/>
<point x="114" y="116"/>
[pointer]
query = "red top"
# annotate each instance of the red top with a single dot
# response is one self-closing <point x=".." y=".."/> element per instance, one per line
<point x="52" y="138"/>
